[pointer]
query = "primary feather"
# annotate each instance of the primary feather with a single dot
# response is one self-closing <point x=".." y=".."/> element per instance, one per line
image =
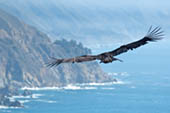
<point x="84" y="58"/>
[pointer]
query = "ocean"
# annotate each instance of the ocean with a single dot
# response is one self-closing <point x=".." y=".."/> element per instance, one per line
<point x="144" y="93"/>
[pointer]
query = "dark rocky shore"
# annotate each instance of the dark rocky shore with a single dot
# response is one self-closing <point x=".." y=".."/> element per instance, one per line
<point x="5" y="101"/>
<point x="7" y="92"/>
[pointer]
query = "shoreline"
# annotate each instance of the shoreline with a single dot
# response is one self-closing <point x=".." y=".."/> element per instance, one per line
<point x="78" y="86"/>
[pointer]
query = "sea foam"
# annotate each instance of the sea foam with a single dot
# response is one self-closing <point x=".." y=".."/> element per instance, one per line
<point x="24" y="101"/>
<point x="83" y="86"/>
<point x="7" y="107"/>
<point x="68" y="87"/>
<point x="102" y="84"/>
<point x="45" y="101"/>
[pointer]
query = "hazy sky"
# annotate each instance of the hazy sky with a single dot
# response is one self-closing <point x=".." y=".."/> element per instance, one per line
<point x="149" y="4"/>
<point x="104" y="17"/>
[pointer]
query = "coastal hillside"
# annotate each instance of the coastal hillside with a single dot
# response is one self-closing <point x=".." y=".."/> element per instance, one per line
<point x="24" y="50"/>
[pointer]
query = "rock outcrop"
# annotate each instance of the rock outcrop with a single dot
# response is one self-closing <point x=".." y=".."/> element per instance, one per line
<point x="27" y="93"/>
<point x="5" y="101"/>
<point x="24" y="51"/>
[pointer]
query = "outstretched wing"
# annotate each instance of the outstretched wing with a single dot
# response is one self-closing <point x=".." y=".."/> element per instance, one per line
<point x="84" y="58"/>
<point x="152" y="36"/>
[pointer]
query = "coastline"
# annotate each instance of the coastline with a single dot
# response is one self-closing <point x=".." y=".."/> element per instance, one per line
<point x="77" y="86"/>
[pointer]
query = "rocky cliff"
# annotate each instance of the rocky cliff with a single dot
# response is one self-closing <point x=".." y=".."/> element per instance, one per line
<point x="24" y="51"/>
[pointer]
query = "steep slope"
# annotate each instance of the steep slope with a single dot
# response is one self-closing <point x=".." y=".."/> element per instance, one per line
<point x="24" y="51"/>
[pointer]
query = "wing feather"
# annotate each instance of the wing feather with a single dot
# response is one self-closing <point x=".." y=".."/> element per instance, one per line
<point x="85" y="58"/>
<point x="152" y="35"/>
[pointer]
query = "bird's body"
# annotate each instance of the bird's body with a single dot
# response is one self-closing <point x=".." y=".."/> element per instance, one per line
<point x="108" y="57"/>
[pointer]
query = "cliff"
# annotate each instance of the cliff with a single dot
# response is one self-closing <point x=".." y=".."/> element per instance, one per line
<point x="24" y="51"/>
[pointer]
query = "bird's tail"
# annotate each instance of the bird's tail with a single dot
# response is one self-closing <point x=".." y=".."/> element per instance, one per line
<point x="154" y="34"/>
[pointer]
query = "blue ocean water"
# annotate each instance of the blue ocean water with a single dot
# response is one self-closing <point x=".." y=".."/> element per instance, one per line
<point x="145" y="93"/>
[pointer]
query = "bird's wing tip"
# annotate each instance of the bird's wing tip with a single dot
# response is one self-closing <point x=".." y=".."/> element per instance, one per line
<point x="53" y="62"/>
<point x="155" y="34"/>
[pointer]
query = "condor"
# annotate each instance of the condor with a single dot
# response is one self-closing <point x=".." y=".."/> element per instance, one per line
<point x="108" y="57"/>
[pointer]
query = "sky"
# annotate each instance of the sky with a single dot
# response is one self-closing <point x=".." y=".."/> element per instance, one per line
<point x="142" y="4"/>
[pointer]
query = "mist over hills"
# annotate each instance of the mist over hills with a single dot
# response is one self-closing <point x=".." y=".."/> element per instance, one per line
<point x="101" y="22"/>
<point x="24" y="50"/>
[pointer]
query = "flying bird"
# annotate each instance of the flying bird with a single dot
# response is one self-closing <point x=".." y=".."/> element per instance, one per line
<point x="108" y="57"/>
